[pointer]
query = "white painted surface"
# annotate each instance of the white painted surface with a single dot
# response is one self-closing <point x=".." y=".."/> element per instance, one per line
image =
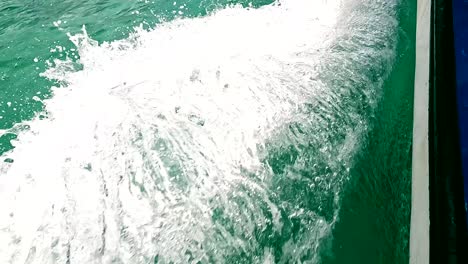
<point x="419" y="235"/>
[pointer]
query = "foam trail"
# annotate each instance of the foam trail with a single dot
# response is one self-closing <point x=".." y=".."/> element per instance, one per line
<point x="202" y="140"/>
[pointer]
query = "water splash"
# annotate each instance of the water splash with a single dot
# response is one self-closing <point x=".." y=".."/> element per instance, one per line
<point x="215" y="139"/>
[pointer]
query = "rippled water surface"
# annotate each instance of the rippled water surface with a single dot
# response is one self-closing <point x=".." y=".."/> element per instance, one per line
<point x="205" y="132"/>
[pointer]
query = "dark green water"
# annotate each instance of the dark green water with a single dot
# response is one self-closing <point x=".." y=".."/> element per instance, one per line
<point x="324" y="179"/>
<point x="375" y="216"/>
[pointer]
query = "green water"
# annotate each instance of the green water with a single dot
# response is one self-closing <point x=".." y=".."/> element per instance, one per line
<point x="370" y="215"/>
<point x="374" y="226"/>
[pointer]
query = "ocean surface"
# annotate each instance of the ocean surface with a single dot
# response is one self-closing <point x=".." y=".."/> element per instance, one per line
<point x="206" y="131"/>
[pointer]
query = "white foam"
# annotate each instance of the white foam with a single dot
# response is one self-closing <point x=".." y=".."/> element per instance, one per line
<point x="158" y="130"/>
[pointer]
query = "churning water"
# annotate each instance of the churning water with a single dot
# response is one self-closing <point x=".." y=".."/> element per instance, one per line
<point x="225" y="138"/>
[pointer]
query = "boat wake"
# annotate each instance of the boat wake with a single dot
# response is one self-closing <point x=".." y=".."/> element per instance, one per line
<point x="216" y="139"/>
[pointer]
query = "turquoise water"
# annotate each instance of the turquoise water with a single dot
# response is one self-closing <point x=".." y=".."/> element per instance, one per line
<point x="205" y="131"/>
